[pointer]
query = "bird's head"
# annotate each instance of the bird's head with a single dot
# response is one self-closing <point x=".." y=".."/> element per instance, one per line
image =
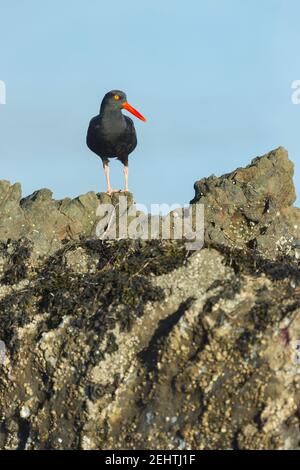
<point x="117" y="100"/>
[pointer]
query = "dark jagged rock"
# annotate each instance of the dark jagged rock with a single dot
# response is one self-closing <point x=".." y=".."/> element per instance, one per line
<point x="248" y="208"/>
<point x="48" y="222"/>
<point x="252" y="206"/>
<point x="131" y="344"/>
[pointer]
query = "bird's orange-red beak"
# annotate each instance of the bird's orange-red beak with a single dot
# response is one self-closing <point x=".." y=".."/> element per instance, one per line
<point x="131" y="109"/>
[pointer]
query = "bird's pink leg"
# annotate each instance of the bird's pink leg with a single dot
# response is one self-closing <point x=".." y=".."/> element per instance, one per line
<point x="126" y="178"/>
<point x="106" y="172"/>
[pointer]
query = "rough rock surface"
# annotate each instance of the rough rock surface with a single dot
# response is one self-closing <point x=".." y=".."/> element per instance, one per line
<point x="252" y="206"/>
<point x="48" y="223"/>
<point x="141" y="344"/>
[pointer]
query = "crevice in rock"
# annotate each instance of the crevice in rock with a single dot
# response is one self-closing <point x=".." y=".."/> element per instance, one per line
<point x="149" y="356"/>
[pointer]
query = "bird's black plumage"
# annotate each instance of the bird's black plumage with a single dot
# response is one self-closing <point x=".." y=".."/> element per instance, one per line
<point x="110" y="133"/>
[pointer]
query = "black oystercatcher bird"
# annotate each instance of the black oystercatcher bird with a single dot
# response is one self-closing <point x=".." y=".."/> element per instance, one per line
<point x="112" y="135"/>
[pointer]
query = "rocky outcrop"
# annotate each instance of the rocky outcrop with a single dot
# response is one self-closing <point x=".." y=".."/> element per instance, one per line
<point x="252" y="206"/>
<point x="48" y="223"/>
<point x="130" y="344"/>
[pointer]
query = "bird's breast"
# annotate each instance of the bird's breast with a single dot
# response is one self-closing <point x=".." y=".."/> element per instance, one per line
<point x="114" y="125"/>
<point x="111" y="137"/>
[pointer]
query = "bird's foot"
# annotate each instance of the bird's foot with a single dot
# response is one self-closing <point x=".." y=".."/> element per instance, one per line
<point x="124" y="190"/>
<point x="112" y="191"/>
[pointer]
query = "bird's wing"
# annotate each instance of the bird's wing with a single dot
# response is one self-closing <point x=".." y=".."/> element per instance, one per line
<point x="131" y="134"/>
<point x="91" y="137"/>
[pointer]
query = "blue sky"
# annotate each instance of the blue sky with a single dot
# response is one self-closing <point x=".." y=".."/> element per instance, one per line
<point x="213" y="77"/>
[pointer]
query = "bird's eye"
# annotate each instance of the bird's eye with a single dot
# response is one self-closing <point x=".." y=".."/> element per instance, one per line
<point x="116" y="97"/>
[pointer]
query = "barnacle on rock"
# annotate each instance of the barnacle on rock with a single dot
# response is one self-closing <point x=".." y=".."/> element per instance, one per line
<point x="136" y="344"/>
